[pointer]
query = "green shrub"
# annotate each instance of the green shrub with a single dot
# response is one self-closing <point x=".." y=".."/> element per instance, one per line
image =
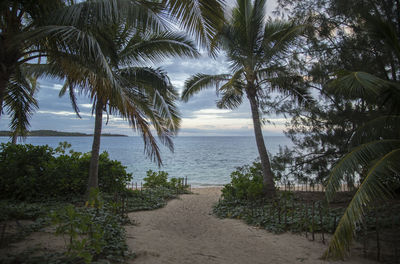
<point x="160" y="179"/>
<point x="156" y="179"/>
<point x="246" y="183"/>
<point x="30" y="172"/>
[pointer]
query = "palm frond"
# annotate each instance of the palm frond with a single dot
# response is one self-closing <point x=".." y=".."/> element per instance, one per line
<point x="231" y="92"/>
<point x="383" y="127"/>
<point x="359" y="157"/>
<point x="139" y="14"/>
<point x="155" y="85"/>
<point x="372" y="189"/>
<point x="200" y="82"/>
<point x="20" y="103"/>
<point x="200" y="18"/>
<point x="156" y="47"/>
<point x="278" y="37"/>
<point x="360" y="85"/>
<point x="384" y="30"/>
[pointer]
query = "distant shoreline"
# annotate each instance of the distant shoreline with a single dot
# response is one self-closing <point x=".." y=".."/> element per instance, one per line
<point x="53" y="133"/>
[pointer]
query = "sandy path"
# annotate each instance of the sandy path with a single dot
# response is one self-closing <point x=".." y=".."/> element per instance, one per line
<point x="185" y="231"/>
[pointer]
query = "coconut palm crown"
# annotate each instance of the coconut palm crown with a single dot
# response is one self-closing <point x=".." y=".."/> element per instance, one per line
<point x="256" y="49"/>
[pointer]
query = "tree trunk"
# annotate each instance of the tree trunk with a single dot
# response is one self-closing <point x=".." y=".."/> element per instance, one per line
<point x="268" y="176"/>
<point x="14" y="138"/>
<point x="93" y="181"/>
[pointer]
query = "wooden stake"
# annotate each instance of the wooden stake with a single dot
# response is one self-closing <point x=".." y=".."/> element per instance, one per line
<point x="322" y="223"/>
<point x="378" y="245"/>
<point x="312" y="220"/>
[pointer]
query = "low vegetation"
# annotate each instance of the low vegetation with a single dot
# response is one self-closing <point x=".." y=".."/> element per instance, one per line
<point x="308" y="213"/>
<point x="92" y="227"/>
<point x="30" y="173"/>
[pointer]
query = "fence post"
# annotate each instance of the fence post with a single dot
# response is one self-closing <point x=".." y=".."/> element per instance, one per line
<point x="321" y="222"/>
<point x="279" y="212"/>
<point x="312" y="220"/>
<point x="378" y="246"/>
<point x="306" y="220"/>
<point x="285" y="208"/>
<point x="365" y="242"/>
<point x="293" y="211"/>
<point x="334" y="223"/>
<point x="394" y="236"/>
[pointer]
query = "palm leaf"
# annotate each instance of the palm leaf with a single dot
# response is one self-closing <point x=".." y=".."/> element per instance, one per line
<point x="200" y="82"/>
<point x="360" y="156"/>
<point x="383" y="127"/>
<point x="156" y="47"/>
<point x="200" y="18"/>
<point x="19" y="102"/>
<point x="359" y="85"/>
<point x="371" y="190"/>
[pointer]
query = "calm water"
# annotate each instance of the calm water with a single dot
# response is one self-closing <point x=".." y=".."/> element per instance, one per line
<point x="204" y="160"/>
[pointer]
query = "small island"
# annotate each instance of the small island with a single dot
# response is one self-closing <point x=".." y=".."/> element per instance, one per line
<point x="53" y="133"/>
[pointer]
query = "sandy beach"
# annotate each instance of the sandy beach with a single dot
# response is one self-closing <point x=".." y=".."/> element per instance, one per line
<point x="185" y="231"/>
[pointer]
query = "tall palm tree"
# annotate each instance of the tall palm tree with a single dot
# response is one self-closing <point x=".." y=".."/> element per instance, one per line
<point x="376" y="144"/>
<point x="255" y="50"/>
<point x="144" y="96"/>
<point x="75" y="22"/>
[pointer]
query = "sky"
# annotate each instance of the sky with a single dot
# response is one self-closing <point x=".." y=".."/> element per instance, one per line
<point x="200" y="116"/>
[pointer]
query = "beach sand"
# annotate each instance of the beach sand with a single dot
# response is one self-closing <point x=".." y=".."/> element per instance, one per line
<point x="185" y="231"/>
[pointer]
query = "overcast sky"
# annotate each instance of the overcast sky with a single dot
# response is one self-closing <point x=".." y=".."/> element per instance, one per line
<point x="200" y="117"/>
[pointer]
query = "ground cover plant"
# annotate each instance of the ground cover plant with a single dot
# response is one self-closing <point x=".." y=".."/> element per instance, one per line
<point x="92" y="227"/>
<point x="307" y="213"/>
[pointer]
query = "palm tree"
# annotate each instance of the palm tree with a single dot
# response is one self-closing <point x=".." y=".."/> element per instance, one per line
<point x="73" y="25"/>
<point x="376" y="144"/>
<point x="255" y="50"/>
<point x="144" y="96"/>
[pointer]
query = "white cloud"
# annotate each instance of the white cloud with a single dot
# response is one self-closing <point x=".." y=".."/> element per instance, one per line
<point x="62" y="113"/>
<point x="86" y="105"/>
<point x="211" y="111"/>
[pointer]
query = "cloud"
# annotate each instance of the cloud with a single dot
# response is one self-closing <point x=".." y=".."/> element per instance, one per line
<point x="86" y="105"/>
<point x="211" y="111"/>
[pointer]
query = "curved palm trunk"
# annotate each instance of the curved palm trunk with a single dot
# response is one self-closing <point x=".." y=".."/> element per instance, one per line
<point x="268" y="176"/>
<point x="93" y="181"/>
<point x="14" y="138"/>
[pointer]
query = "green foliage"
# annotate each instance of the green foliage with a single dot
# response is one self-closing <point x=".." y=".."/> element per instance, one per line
<point x="156" y="179"/>
<point x="30" y="172"/>
<point x="160" y="179"/>
<point x="286" y="213"/>
<point x="150" y="198"/>
<point x="246" y="183"/>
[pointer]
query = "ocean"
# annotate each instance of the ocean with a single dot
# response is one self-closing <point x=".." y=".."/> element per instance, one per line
<point x="205" y="161"/>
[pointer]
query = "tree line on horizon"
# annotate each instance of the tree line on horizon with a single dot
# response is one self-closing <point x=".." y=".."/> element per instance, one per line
<point x="331" y="66"/>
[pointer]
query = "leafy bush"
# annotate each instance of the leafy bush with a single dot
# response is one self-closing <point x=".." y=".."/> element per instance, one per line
<point x="156" y="179"/>
<point x="30" y="172"/>
<point x="160" y="179"/>
<point x="93" y="231"/>
<point x="246" y="183"/>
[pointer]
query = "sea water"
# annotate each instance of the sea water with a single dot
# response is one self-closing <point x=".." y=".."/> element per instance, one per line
<point x="205" y="161"/>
